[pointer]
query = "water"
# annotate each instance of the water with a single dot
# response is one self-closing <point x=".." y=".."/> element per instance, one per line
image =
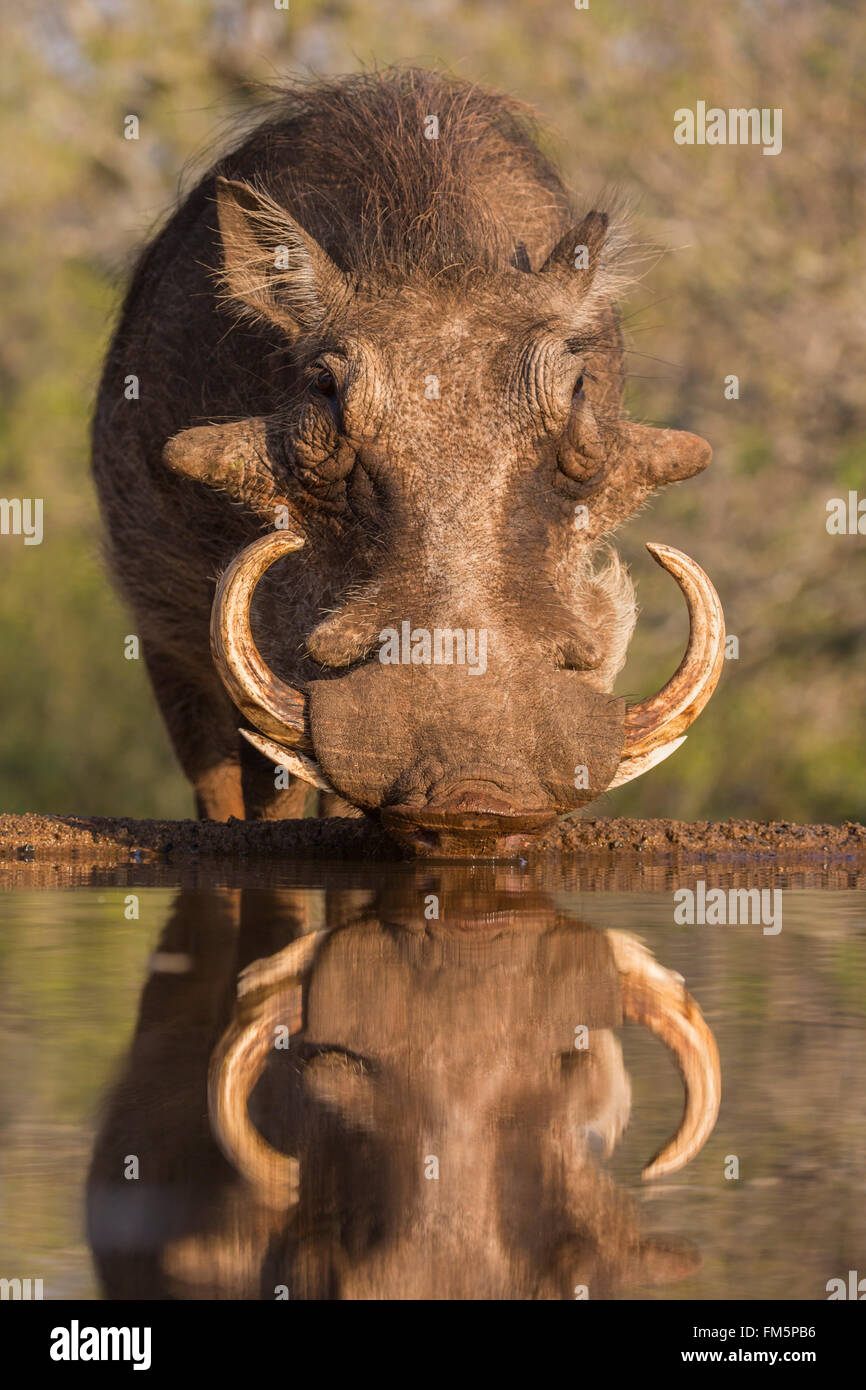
<point x="447" y="1137"/>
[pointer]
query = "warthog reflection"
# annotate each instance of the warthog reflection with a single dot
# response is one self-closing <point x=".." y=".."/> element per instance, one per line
<point x="390" y="1106"/>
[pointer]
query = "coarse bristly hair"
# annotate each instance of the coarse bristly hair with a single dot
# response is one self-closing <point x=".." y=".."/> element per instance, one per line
<point x="349" y="159"/>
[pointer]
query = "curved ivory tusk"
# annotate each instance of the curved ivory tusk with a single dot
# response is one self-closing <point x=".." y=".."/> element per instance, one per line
<point x="273" y="706"/>
<point x="236" y="1066"/>
<point x="296" y="763"/>
<point x="239" y="1060"/>
<point x="660" y="719"/>
<point x="657" y="998"/>
<point x="630" y="768"/>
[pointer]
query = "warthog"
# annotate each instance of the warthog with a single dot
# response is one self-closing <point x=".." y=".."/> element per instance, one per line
<point x="405" y="1107"/>
<point x="400" y="357"/>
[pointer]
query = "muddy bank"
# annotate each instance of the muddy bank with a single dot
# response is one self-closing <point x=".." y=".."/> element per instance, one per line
<point x="118" y="841"/>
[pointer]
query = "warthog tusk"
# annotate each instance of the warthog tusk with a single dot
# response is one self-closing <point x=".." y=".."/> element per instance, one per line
<point x="630" y="768"/>
<point x="269" y="996"/>
<point x="296" y="763"/>
<point x="654" y="727"/>
<point x="658" y="999"/>
<point x="276" y="708"/>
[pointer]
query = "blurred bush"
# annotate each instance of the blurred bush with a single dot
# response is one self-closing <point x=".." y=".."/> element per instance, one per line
<point x="760" y="267"/>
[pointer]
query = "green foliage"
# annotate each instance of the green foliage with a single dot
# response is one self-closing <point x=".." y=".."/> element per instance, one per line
<point x="761" y="260"/>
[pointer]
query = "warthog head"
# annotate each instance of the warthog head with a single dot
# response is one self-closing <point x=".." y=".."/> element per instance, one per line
<point x="391" y="1103"/>
<point x="443" y="1139"/>
<point x="448" y="457"/>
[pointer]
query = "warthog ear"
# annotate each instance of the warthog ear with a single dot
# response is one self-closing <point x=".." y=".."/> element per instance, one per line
<point x="578" y="253"/>
<point x="271" y="266"/>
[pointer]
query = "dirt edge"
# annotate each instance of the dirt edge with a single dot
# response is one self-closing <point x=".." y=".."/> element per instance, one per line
<point x="104" y="840"/>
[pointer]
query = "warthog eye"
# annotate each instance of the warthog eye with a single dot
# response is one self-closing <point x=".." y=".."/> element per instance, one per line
<point x="578" y="388"/>
<point x="324" y="382"/>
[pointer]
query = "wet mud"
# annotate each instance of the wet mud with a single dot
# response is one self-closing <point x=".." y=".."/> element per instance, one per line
<point x="98" y="840"/>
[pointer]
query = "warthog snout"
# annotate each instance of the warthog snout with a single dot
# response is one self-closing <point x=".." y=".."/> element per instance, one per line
<point x="456" y="765"/>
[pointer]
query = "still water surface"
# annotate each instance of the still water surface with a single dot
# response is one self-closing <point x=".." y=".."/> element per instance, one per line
<point x="423" y="1124"/>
